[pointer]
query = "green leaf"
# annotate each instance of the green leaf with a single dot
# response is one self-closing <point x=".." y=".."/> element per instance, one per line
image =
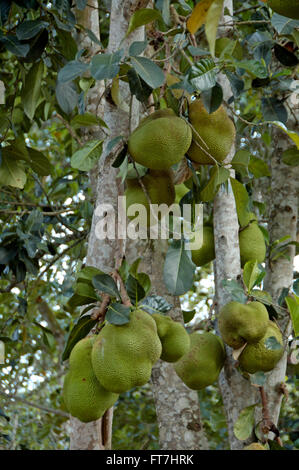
<point x="240" y="162"/>
<point x="39" y="162"/>
<point x="118" y="314"/>
<point x="78" y="332"/>
<point x="212" y="98"/>
<point x="84" y="294"/>
<point x="296" y="287"/>
<point x="253" y="67"/>
<point x="244" y="425"/>
<point x="155" y="304"/>
<point x="251" y="273"/>
<point x="291" y="156"/>
<point x="86" y="157"/>
<point x="148" y="71"/>
<point x="211" y="24"/>
<point x="106" y="65"/>
<point x="138" y="87"/>
<point x="137" y="47"/>
<point x="272" y="343"/>
<point x="188" y="315"/>
<point x="72" y="70"/>
<point x="29" y="29"/>
<point x="86" y="274"/>
<point x="235" y="290"/>
<point x="87" y="120"/>
<point x="274" y="110"/>
<point x="31" y="90"/>
<point x="105" y="283"/>
<point x="142" y="17"/>
<point x="67" y="97"/>
<point x="178" y="271"/>
<point x="293" y="306"/>
<point x="134" y="289"/>
<point x="258" y="167"/>
<point x="218" y="177"/>
<point x="242" y="201"/>
<point x="14" y="46"/>
<point x="202" y="75"/>
<point x="12" y="173"/>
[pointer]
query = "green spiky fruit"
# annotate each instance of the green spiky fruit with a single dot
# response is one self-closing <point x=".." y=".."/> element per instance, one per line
<point x="252" y="243"/>
<point x="201" y="365"/>
<point x="160" y="188"/>
<point x="255" y="446"/>
<point x="239" y="323"/>
<point x="123" y="355"/>
<point x="173" y="336"/>
<point x="83" y="396"/>
<point x="216" y="134"/>
<point x="206" y="253"/>
<point x="180" y="191"/>
<point x="258" y="357"/>
<point x="160" y="140"/>
<point x="288" y="8"/>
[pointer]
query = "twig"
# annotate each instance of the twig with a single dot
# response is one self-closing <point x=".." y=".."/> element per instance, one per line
<point x="69" y="128"/>
<point x="35" y="405"/>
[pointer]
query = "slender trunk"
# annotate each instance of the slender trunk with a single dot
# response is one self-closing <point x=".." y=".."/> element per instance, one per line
<point x="237" y="393"/>
<point x="104" y="254"/>
<point x="283" y="213"/>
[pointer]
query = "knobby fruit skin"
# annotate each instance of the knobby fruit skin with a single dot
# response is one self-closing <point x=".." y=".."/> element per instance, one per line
<point x="217" y="134"/>
<point x="206" y="253"/>
<point x="160" y="141"/>
<point x="252" y="244"/>
<point x="255" y="446"/>
<point x="173" y="336"/>
<point x="242" y="323"/>
<point x="160" y="188"/>
<point x="201" y="365"/>
<point x="83" y="395"/>
<point x="288" y="8"/>
<point x="257" y="357"/>
<point x="123" y="355"/>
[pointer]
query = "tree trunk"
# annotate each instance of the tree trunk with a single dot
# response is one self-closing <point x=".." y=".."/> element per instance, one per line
<point x="237" y="393"/>
<point x="283" y="213"/>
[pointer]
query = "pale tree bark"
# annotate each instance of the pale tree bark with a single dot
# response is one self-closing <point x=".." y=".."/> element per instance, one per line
<point x="103" y="254"/>
<point x="237" y="393"/>
<point x="282" y="221"/>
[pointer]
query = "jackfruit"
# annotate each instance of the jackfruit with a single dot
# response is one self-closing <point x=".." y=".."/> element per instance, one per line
<point x="201" y="365"/>
<point x="83" y="396"/>
<point x="160" y="140"/>
<point x="173" y="336"/>
<point x="180" y="191"/>
<point x="159" y="186"/>
<point x="288" y="8"/>
<point x="255" y="446"/>
<point x="123" y="355"/>
<point x="257" y="357"/>
<point x="216" y="131"/>
<point x="239" y="323"/>
<point x="252" y="244"/>
<point x="206" y="253"/>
